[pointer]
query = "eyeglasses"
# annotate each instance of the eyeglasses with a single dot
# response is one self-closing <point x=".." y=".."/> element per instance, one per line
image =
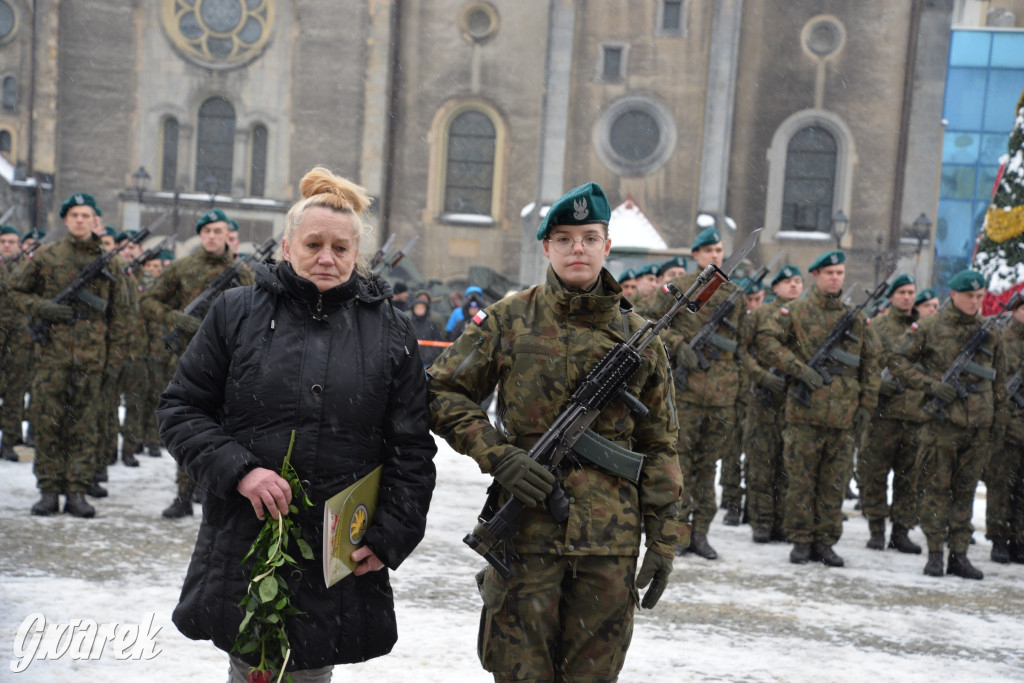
<point x="564" y="244"/>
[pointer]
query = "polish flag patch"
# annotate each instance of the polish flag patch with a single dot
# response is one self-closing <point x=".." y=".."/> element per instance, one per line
<point x="784" y="311"/>
<point x="913" y="326"/>
<point x="480" y="317"/>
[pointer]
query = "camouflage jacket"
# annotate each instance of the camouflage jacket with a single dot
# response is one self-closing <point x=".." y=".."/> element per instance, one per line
<point x="85" y="343"/>
<point x="1013" y="345"/>
<point x="907" y="405"/>
<point x="929" y="347"/>
<point x="536" y="347"/>
<point x="750" y="360"/>
<point x="11" y="318"/>
<point x="790" y="338"/>
<point x="719" y="385"/>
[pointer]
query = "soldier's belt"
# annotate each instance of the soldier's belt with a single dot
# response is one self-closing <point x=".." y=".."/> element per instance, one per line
<point x="599" y="452"/>
<point x="720" y="342"/>
<point x="848" y="359"/>
<point x="980" y="371"/>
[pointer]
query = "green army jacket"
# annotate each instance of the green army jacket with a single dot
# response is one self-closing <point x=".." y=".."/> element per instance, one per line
<point x="789" y="339"/>
<point x="929" y="347"/>
<point x="750" y="360"/>
<point x="1013" y="345"/>
<point x="535" y="347"/>
<point x="11" y="318"/>
<point x="907" y="405"/>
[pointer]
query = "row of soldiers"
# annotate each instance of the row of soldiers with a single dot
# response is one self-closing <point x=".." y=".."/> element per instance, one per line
<point x="754" y="386"/>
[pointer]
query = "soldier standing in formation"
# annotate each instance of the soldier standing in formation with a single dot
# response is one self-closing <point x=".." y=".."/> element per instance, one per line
<point x="133" y="382"/>
<point x="762" y="434"/>
<point x="926" y="303"/>
<point x="627" y="281"/>
<point x="566" y="611"/>
<point x="818" y="437"/>
<point x="13" y="339"/>
<point x="159" y="362"/>
<point x="88" y="343"/>
<point x="892" y="443"/>
<point x="955" y="448"/>
<point x="176" y="287"/>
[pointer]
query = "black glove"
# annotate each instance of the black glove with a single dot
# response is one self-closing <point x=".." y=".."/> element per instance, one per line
<point x="772" y="382"/>
<point x="524" y="478"/>
<point x="861" y="422"/>
<point x="54" y="312"/>
<point x="811" y="378"/>
<point x="687" y="357"/>
<point x="654" y="570"/>
<point x="184" y="323"/>
<point x="889" y="387"/>
<point x="942" y="391"/>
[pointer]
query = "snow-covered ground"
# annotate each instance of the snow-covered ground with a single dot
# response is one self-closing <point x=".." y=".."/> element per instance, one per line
<point x="749" y="616"/>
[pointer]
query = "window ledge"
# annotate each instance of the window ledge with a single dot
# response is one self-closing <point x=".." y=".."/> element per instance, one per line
<point x="474" y="219"/>
<point x="804" y="236"/>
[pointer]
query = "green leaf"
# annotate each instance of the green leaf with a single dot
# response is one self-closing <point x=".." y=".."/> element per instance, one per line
<point x="305" y="549"/>
<point x="272" y="618"/>
<point x="268" y="588"/>
<point x="281" y="603"/>
<point x="245" y="622"/>
<point x="293" y="510"/>
<point x="249" y="647"/>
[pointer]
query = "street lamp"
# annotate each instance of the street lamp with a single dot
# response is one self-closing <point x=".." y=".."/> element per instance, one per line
<point x="140" y="181"/>
<point x="839" y="225"/>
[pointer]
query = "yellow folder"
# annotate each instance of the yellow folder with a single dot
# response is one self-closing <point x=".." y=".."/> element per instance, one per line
<point x="347" y="516"/>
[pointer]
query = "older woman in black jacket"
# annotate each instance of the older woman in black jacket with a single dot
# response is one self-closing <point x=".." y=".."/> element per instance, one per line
<point x="313" y="346"/>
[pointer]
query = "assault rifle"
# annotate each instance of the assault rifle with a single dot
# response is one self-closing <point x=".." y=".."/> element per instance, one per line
<point x="145" y="256"/>
<point x="392" y="259"/>
<point x="964" y="362"/>
<point x="605" y="383"/>
<point x="829" y="352"/>
<point x="707" y="343"/>
<point x="228" y="278"/>
<point x="77" y="290"/>
<point x="1013" y="388"/>
<point x="378" y="255"/>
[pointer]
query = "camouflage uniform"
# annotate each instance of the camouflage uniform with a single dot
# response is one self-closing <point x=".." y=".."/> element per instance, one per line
<point x="818" y="439"/>
<point x="954" y="452"/>
<point x="1004" y="475"/>
<point x="15" y="351"/>
<point x="69" y="370"/>
<point x="158" y="366"/>
<point x="180" y="283"/>
<point x="568" y="606"/>
<point x="892" y="442"/>
<point x="133" y="382"/>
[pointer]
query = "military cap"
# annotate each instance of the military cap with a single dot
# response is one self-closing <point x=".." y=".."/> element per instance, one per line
<point x="579" y="206"/>
<point x="110" y="231"/>
<point x="232" y="225"/>
<point x="749" y="286"/>
<point x="649" y="269"/>
<point x="9" y="230"/>
<point x="900" y="281"/>
<point x="967" y="281"/>
<point x="127" y="235"/>
<point x="879" y="306"/>
<point x="678" y="261"/>
<point x="166" y="255"/>
<point x="706" y="237"/>
<point x="211" y="216"/>
<point x="785" y="273"/>
<point x="829" y="258"/>
<point x="627" y="274"/>
<point x="79" y="199"/>
<point x="36" y="235"/>
<point x="925" y="295"/>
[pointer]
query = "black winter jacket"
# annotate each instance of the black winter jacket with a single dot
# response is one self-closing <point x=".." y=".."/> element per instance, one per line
<point x="341" y="369"/>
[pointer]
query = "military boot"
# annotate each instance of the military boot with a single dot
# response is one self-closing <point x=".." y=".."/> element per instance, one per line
<point x="800" y="554"/>
<point x="48" y="504"/>
<point x="762" y="535"/>
<point x="824" y="554"/>
<point x="959" y="565"/>
<point x="154" y="450"/>
<point x="97" y="491"/>
<point x="7" y="453"/>
<point x="77" y="506"/>
<point x="732" y="516"/>
<point x="1016" y="552"/>
<point x="900" y="540"/>
<point x="934" y="565"/>
<point x="181" y="507"/>
<point x="128" y="458"/>
<point x="699" y="545"/>
<point x="101" y="476"/>
<point x="1001" y="552"/>
<point x="877" y="529"/>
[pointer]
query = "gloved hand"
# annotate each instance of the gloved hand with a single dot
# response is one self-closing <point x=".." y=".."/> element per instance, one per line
<point x="771" y="382"/>
<point x="889" y="387"/>
<point x="942" y="391"/>
<point x="524" y="478"/>
<point x="861" y="422"/>
<point x="811" y="378"/>
<point x="54" y="312"/>
<point x="654" y="570"/>
<point x="687" y="357"/>
<point x="184" y="323"/>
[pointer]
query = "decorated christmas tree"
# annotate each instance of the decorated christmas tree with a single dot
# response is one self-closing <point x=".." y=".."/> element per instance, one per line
<point x="1000" y="250"/>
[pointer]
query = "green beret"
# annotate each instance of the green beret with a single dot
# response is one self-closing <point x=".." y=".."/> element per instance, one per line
<point x="900" y="281"/>
<point x="9" y="230"/>
<point x="829" y="258"/>
<point x="127" y="235"/>
<point x="232" y="225"/>
<point x="36" y="235"/>
<point x="785" y="273"/>
<point x="579" y="206"/>
<point x="79" y="199"/>
<point x="706" y="237"/>
<point x="678" y="261"/>
<point x="211" y="216"/>
<point x="649" y="269"/>
<point x="967" y="281"/>
<point x="627" y="274"/>
<point x="166" y="255"/>
<point x="748" y="286"/>
<point x="925" y="295"/>
<point x="879" y="306"/>
<point x="109" y="231"/>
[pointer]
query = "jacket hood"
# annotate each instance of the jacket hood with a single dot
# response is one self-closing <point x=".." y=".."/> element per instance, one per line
<point x="281" y="279"/>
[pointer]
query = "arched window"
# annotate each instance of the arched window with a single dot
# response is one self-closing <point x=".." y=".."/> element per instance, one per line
<point x="810" y="180"/>
<point x="216" y="143"/>
<point x="5" y="141"/>
<point x="10" y="93"/>
<point x="169" y="166"/>
<point x="469" y="176"/>
<point x="258" y="167"/>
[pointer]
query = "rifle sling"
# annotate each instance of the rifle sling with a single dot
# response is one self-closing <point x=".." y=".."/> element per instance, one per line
<point x="598" y="451"/>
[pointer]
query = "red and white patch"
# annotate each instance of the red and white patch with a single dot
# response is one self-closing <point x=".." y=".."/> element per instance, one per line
<point x="913" y="326"/>
<point x="784" y="311"/>
<point x="480" y="317"/>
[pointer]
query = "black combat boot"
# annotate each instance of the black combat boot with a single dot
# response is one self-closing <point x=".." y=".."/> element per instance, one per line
<point x="77" y="506"/>
<point x="101" y="476"/>
<point x="762" y="535"/>
<point x="700" y="546"/>
<point x="959" y="565"/>
<point x="128" y="458"/>
<point x="934" y="565"/>
<point x="1016" y="552"/>
<point x="7" y="453"/>
<point x="732" y="516"/>
<point x="800" y="554"/>
<point x="97" y="491"/>
<point x="154" y="450"/>
<point x="900" y="540"/>
<point x="877" y="529"/>
<point x="181" y="507"/>
<point x="48" y="504"/>
<point x="1001" y="552"/>
<point x="824" y="554"/>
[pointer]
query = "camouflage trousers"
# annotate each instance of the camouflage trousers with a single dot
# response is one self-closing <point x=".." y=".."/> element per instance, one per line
<point x="766" y="472"/>
<point x="731" y="476"/>
<point x="891" y="445"/>
<point x="15" y="366"/>
<point x="952" y="460"/>
<point x="1004" y="498"/>
<point x="133" y="384"/>
<point x="567" y="618"/>
<point x="64" y="413"/>
<point x="109" y="403"/>
<point x="705" y="435"/>
<point x="818" y="462"/>
<point x="159" y="372"/>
